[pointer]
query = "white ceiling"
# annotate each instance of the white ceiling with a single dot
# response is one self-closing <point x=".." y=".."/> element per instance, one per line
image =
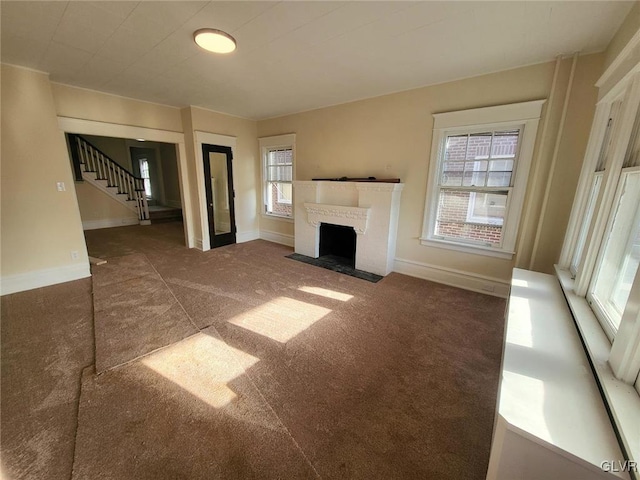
<point x="292" y="56"/>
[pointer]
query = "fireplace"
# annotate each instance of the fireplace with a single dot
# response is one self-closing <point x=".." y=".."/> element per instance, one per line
<point x="370" y="210"/>
<point x="339" y="243"/>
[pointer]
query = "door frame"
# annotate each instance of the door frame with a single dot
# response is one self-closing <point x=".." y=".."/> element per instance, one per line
<point x="229" y="237"/>
<point x="203" y="242"/>
<point x="92" y="127"/>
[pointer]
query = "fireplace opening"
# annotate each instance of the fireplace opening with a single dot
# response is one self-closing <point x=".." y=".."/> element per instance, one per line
<point x="338" y="244"/>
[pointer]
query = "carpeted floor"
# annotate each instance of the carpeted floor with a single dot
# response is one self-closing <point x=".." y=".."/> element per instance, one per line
<point x="241" y="363"/>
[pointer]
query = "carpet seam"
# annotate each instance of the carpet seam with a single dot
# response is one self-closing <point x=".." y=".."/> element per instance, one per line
<point x="173" y="294"/>
<point x="304" y="455"/>
<point x="123" y="364"/>
<point x="281" y="422"/>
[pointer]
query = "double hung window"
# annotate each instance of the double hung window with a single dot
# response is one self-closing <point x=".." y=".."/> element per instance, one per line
<point x="278" y="155"/>
<point x="602" y="253"/>
<point x="479" y="165"/>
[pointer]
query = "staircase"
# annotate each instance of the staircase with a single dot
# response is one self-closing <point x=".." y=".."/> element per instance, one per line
<point x="96" y="168"/>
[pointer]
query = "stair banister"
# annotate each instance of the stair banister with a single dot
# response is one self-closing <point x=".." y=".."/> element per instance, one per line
<point x="88" y="158"/>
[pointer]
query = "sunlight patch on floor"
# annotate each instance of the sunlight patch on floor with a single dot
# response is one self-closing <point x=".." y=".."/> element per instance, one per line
<point x="280" y="319"/>
<point x="203" y="366"/>
<point x="323" y="292"/>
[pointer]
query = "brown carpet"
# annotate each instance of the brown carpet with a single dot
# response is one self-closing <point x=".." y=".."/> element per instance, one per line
<point x="47" y="340"/>
<point x="135" y="312"/>
<point x="298" y="371"/>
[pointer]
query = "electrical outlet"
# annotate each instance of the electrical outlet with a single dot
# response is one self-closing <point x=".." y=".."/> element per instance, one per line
<point x="60" y="186"/>
<point x="74" y="255"/>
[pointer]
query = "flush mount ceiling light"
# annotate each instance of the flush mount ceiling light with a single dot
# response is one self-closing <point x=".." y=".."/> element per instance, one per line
<point x="214" y="40"/>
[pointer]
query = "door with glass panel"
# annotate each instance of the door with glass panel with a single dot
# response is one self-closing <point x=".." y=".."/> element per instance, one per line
<point x="218" y="180"/>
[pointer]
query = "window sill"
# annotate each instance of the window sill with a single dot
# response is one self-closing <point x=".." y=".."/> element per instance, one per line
<point x="278" y="217"/>
<point x="623" y="401"/>
<point x="467" y="248"/>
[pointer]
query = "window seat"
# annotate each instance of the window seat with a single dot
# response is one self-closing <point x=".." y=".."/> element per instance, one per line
<point x="550" y="421"/>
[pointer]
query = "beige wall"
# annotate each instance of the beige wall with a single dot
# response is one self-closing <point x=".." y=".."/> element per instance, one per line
<point x="390" y="136"/>
<point x="627" y="30"/>
<point x="170" y="175"/>
<point x="40" y="226"/>
<point x="571" y="152"/>
<point x="616" y="70"/>
<point x="91" y="105"/>
<point x="97" y="206"/>
<point x="114" y="148"/>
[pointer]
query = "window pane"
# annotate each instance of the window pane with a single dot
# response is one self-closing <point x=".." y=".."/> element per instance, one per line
<point x="280" y="157"/>
<point x="479" y="168"/>
<point x="452" y="174"/>
<point x="619" y="264"/>
<point x="456" y="147"/>
<point x="475" y="174"/>
<point x="282" y="173"/>
<point x="505" y="144"/>
<point x="584" y="229"/>
<point x="500" y="173"/>
<point x="144" y="173"/>
<point x="279" y="199"/>
<point x="479" y="146"/>
<point x="474" y="217"/>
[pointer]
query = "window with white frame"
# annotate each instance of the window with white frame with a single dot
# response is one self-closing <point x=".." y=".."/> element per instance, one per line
<point x="278" y="154"/>
<point x="602" y="251"/>
<point x="594" y="189"/>
<point x="479" y="165"/>
<point x="619" y="255"/>
<point x="144" y="173"/>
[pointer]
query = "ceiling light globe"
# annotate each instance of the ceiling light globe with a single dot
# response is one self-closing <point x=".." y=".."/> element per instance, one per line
<point x="214" y="40"/>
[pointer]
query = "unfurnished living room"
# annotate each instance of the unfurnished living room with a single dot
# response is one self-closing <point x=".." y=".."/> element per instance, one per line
<point x="291" y="240"/>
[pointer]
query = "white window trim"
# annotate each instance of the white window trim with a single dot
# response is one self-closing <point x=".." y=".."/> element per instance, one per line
<point x="524" y="115"/>
<point x="616" y="364"/>
<point x="609" y="182"/>
<point x="268" y="143"/>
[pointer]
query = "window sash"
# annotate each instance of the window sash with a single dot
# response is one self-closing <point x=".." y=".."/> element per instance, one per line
<point x="623" y="227"/>
<point x="278" y="158"/>
<point x="481" y="168"/>
<point x="581" y="241"/>
<point x="463" y="229"/>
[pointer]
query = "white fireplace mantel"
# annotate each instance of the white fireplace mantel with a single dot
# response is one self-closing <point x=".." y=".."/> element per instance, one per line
<point x="355" y="217"/>
<point x="372" y="209"/>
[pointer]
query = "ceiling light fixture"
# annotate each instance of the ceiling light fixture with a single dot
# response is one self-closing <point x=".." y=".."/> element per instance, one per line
<point x="214" y="40"/>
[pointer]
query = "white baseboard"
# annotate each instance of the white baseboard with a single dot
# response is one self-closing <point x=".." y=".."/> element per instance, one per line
<point x="43" y="278"/>
<point x="108" y="223"/>
<point x="242" y="237"/>
<point x="276" y="237"/>
<point x="199" y="243"/>
<point x="455" y="278"/>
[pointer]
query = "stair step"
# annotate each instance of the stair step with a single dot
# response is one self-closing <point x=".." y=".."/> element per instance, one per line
<point x="165" y="215"/>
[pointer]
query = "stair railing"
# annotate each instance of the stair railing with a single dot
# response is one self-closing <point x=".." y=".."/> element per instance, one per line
<point x="88" y="158"/>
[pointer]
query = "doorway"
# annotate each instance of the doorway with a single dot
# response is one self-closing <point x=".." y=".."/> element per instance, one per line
<point x="218" y="180"/>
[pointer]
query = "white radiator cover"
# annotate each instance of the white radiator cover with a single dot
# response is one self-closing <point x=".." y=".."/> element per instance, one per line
<point x="371" y="208"/>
